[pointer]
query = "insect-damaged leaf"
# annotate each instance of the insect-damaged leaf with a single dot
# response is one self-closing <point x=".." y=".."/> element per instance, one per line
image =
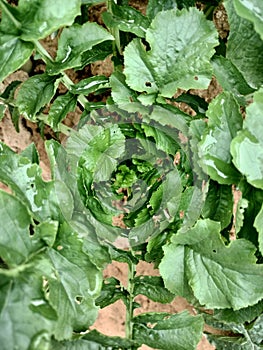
<point x="180" y="331"/>
<point x="200" y="258"/>
<point x="178" y="57"/>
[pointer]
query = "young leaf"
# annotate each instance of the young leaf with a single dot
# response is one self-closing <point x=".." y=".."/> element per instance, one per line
<point x="60" y="108"/>
<point x="224" y="122"/>
<point x="15" y="242"/>
<point x="120" y="91"/>
<point x="244" y="47"/>
<point x="247" y="146"/>
<point x="43" y="17"/>
<point x="111" y="291"/>
<point x="13" y="54"/>
<point x="89" y="85"/>
<point x="155" y="6"/>
<point x="35" y="93"/>
<point x="74" y="42"/>
<point x="181" y="332"/>
<point x="199" y="256"/>
<point x="153" y="288"/>
<point x="253" y="11"/>
<point x="173" y="61"/>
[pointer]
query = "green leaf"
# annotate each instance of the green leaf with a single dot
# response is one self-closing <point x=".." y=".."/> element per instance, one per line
<point x="244" y="47"/>
<point x="60" y="108"/>
<point x="15" y="242"/>
<point x="43" y="17"/>
<point x="93" y="84"/>
<point x="224" y="122"/>
<point x="111" y="291"/>
<point x="126" y="19"/>
<point x="177" y="59"/>
<point x="46" y="231"/>
<point x="242" y="205"/>
<point x="253" y="11"/>
<point x="31" y="153"/>
<point x="20" y="324"/>
<point x="108" y="342"/>
<point x="247" y="146"/>
<point x="45" y="199"/>
<point x="120" y="91"/>
<point x="153" y="288"/>
<point x="231" y="343"/>
<point x="14" y="52"/>
<point x="240" y="316"/>
<point x="2" y="111"/>
<point x="74" y="284"/>
<point x="181" y="332"/>
<point x="199" y="257"/>
<point x="155" y="6"/>
<point x="258" y="224"/>
<point x="219" y="204"/>
<point x="74" y="42"/>
<point x="230" y="78"/>
<point x="35" y="93"/>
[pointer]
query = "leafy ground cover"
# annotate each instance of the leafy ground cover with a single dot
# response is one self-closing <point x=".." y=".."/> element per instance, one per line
<point x="150" y="162"/>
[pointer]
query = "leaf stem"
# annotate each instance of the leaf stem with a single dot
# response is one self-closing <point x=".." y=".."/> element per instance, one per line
<point x="130" y="307"/>
<point x="16" y="23"/>
<point x="115" y="32"/>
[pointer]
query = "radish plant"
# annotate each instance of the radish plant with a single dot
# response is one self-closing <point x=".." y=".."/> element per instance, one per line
<point x="135" y="167"/>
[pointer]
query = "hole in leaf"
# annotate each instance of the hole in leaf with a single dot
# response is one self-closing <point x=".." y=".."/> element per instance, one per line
<point x="195" y="78"/>
<point x="214" y="250"/>
<point x="31" y="230"/>
<point x="148" y="84"/>
<point x="79" y="299"/>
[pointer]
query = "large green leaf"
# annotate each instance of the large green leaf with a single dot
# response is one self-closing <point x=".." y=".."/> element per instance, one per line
<point x="14" y="52"/>
<point x="179" y="332"/>
<point x="247" y="146"/>
<point x="15" y="241"/>
<point x="74" y="283"/>
<point x="44" y="199"/>
<point x="200" y="258"/>
<point x="230" y="78"/>
<point x="155" y="6"/>
<point x="74" y="42"/>
<point x="25" y="316"/>
<point x="35" y="93"/>
<point x="244" y="46"/>
<point x="177" y="58"/>
<point x="42" y="17"/>
<point x="120" y="91"/>
<point x="259" y="226"/>
<point x="253" y="11"/>
<point x="214" y="149"/>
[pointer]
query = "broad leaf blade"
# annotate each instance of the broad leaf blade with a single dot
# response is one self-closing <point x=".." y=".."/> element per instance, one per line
<point x="244" y="47"/>
<point x="74" y="42"/>
<point x="253" y="11"/>
<point x="74" y="284"/>
<point x="177" y="59"/>
<point x="13" y="54"/>
<point x="153" y="288"/>
<point x="247" y="146"/>
<point x="15" y="241"/>
<point x="214" y="149"/>
<point x="43" y="17"/>
<point x="181" y="332"/>
<point x="231" y="79"/>
<point x="60" y="108"/>
<point x="35" y="93"/>
<point x="259" y="226"/>
<point x="230" y="273"/>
